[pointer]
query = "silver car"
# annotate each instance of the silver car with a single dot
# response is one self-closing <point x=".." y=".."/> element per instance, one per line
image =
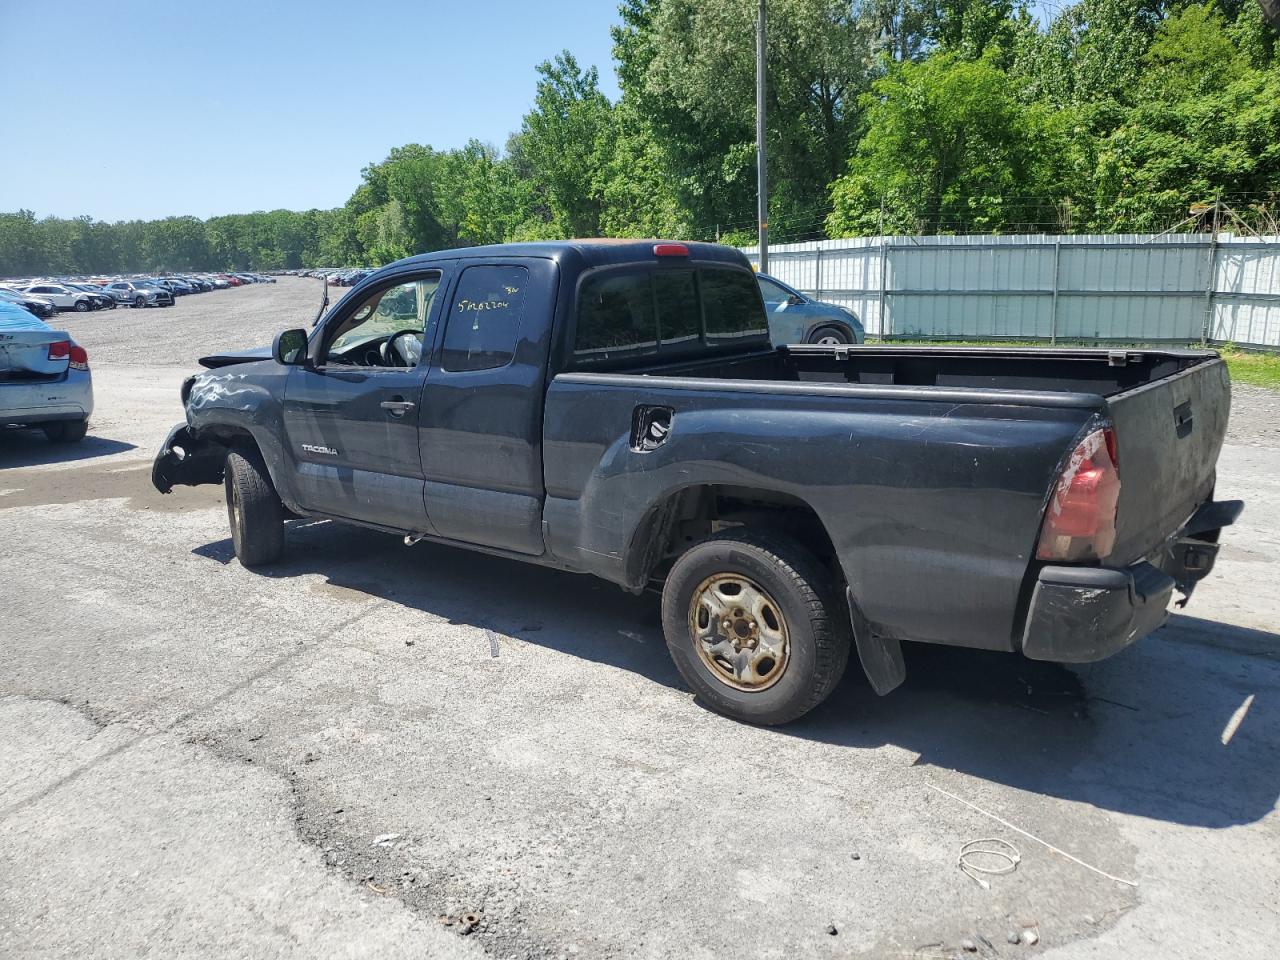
<point x="44" y="378"/>
<point x="140" y="294"/>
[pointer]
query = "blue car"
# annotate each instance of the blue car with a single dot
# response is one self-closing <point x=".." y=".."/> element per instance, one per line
<point x="795" y="318"/>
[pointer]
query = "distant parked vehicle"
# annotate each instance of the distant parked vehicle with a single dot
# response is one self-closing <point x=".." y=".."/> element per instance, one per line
<point x="795" y="318"/>
<point x="32" y="304"/>
<point x="175" y="286"/>
<point x="64" y="297"/>
<point x="140" y="294"/>
<point x="104" y="300"/>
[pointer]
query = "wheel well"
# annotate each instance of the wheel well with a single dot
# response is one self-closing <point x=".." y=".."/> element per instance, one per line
<point x="829" y="322"/>
<point x="695" y="513"/>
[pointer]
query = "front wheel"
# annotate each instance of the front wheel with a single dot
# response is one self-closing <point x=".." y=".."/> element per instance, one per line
<point x="830" y="335"/>
<point x="754" y="626"/>
<point x="253" y="508"/>
<point x="83" y="306"/>
<point x="139" y="301"/>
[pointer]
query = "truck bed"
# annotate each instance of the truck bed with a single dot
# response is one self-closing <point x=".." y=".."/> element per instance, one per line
<point x="1169" y="407"/>
<point x="935" y="464"/>
<point x="1101" y="372"/>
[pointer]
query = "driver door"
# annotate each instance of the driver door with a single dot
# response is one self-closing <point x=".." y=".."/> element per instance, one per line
<point x="351" y="416"/>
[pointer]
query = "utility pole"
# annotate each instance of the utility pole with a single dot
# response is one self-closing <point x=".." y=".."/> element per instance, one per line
<point x="762" y="174"/>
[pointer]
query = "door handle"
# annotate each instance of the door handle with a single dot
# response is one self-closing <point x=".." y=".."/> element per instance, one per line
<point x="398" y="408"/>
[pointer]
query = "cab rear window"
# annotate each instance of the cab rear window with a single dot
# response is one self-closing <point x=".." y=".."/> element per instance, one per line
<point x="638" y="312"/>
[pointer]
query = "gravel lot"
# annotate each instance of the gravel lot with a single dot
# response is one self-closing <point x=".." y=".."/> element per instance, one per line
<point x="343" y="755"/>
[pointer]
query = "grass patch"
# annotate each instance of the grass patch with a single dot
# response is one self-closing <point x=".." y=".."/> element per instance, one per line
<point x="1246" y="366"/>
<point x="1259" y="369"/>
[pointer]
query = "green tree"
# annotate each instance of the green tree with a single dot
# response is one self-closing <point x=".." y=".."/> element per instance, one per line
<point x="1206" y="123"/>
<point x="948" y="147"/>
<point x="564" y="140"/>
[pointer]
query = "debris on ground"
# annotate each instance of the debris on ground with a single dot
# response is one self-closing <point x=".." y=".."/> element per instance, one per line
<point x="385" y="840"/>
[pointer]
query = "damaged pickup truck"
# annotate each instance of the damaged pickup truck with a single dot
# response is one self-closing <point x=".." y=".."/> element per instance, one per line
<point x="615" y="408"/>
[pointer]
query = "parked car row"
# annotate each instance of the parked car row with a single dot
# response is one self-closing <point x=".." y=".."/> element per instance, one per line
<point x="338" y="277"/>
<point x="45" y="297"/>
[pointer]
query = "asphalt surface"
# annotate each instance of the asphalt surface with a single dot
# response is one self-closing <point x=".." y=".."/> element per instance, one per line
<point x="345" y="754"/>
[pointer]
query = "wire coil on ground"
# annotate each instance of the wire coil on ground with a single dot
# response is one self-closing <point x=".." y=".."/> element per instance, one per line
<point x="1005" y="854"/>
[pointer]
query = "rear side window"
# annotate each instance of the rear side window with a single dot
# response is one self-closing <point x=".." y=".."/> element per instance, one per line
<point x="615" y="312"/>
<point x="484" y="318"/>
<point x="731" y="305"/>
<point x="663" y="312"/>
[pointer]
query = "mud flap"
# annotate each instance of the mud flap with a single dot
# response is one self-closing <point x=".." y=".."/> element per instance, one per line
<point x="881" y="657"/>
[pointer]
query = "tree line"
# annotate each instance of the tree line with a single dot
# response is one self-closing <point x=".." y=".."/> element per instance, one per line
<point x="885" y="116"/>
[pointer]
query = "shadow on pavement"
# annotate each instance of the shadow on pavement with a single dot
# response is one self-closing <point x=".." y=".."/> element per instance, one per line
<point x="572" y="613"/>
<point x="29" y="448"/>
<point x="1141" y="733"/>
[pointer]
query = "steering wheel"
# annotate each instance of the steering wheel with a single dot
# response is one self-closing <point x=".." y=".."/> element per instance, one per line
<point x="402" y="349"/>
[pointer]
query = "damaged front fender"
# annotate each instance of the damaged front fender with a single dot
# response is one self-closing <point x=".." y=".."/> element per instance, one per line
<point x="186" y="459"/>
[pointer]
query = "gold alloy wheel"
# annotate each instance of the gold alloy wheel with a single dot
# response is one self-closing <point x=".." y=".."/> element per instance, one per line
<point x="739" y="632"/>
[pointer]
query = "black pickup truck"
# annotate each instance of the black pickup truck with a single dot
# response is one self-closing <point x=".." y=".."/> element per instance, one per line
<point x="616" y="408"/>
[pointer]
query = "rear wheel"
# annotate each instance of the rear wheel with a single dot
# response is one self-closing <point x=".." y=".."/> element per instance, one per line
<point x="754" y="626"/>
<point x="83" y="306"/>
<point x="66" y="431"/>
<point x="830" y="335"/>
<point x="139" y="301"/>
<point x="254" y="509"/>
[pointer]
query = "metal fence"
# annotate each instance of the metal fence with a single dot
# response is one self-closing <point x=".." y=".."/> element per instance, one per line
<point x="1129" y="288"/>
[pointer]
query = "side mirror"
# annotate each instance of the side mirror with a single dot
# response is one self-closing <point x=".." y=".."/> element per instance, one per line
<point x="795" y="301"/>
<point x="290" y="348"/>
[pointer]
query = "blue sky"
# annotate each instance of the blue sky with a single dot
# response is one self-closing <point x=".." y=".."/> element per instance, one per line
<point x="125" y="109"/>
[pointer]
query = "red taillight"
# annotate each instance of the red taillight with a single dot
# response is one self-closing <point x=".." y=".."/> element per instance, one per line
<point x="79" y="357"/>
<point x="1080" y="523"/>
<point x="60" y="350"/>
<point x="670" y="250"/>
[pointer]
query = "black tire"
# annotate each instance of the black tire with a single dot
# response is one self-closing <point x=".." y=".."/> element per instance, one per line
<point x="66" y="431"/>
<point x="254" y="509"/>
<point x="817" y="625"/>
<point x="83" y="306"/>
<point x="830" y="334"/>
<point x="139" y="301"/>
<point x="111" y="304"/>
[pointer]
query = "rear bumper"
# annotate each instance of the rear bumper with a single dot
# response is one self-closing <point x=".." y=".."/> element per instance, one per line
<point x="42" y="401"/>
<point x="1083" y="614"/>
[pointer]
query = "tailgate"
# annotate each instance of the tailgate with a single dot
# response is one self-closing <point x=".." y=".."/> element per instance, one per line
<point x="26" y="352"/>
<point x="1169" y="433"/>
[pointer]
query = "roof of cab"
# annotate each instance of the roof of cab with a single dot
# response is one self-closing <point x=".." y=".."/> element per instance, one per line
<point x="592" y="252"/>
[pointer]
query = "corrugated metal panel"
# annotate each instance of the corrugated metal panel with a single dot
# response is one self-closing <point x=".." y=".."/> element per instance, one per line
<point x="1123" y="287"/>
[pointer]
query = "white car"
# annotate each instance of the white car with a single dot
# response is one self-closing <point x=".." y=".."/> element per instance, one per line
<point x="44" y="377"/>
<point x="64" y="297"/>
